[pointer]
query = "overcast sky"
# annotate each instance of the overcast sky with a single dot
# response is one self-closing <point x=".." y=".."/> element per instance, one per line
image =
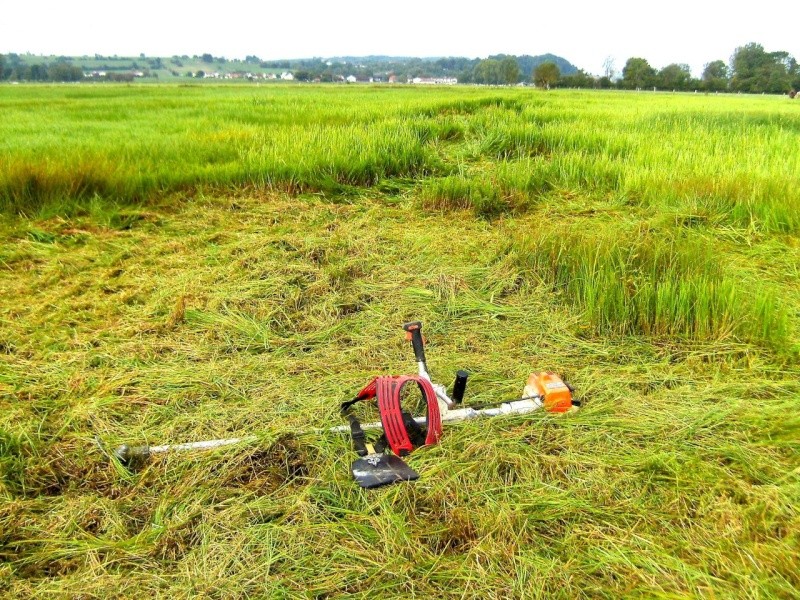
<point x="585" y="33"/>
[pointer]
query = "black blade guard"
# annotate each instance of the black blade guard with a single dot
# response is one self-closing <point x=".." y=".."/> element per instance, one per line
<point x="376" y="470"/>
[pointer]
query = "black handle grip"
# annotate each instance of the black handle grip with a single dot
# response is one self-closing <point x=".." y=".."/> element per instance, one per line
<point x="414" y="332"/>
<point x="358" y="436"/>
<point x="459" y="386"/>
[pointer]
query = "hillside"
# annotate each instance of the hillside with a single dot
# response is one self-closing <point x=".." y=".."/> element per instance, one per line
<point x="151" y="68"/>
<point x="34" y="67"/>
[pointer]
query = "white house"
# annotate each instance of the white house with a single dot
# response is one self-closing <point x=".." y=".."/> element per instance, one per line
<point x="434" y="80"/>
<point x="287" y="76"/>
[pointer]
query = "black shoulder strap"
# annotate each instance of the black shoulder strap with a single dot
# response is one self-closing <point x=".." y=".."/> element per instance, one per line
<point x="359" y="438"/>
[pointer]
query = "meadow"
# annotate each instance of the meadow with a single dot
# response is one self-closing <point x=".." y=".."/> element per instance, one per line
<point x="184" y="262"/>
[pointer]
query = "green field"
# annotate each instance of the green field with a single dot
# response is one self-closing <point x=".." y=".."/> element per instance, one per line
<point x="189" y="262"/>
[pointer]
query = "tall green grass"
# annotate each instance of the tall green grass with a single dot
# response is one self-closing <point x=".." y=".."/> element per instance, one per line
<point x="482" y="195"/>
<point x="731" y="157"/>
<point x="293" y="158"/>
<point x="636" y="281"/>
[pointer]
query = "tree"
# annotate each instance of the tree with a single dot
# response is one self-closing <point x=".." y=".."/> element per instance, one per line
<point x="488" y="72"/>
<point x="2" y="65"/>
<point x="756" y="71"/>
<point x="207" y="58"/>
<point x="466" y="76"/>
<point x="509" y="70"/>
<point x="39" y="72"/>
<point x="62" y="71"/>
<point x="605" y="83"/>
<point x="749" y="68"/>
<point x="609" y="68"/>
<point x="715" y="76"/>
<point x="546" y="75"/>
<point x="580" y="79"/>
<point x="674" y="77"/>
<point x="637" y="73"/>
<point x="784" y="73"/>
<point x="458" y="65"/>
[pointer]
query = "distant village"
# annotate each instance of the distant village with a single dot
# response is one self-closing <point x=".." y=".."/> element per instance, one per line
<point x="288" y="76"/>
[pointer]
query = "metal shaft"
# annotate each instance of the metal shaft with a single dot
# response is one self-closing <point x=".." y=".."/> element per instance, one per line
<point x="517" y="407"/>
<point x="202" y="445"/>
<point x="130" y="455"/>
<point x="445" y="402"/>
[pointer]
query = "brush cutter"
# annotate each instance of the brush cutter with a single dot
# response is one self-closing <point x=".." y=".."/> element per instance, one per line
<point x="401" y="431"/>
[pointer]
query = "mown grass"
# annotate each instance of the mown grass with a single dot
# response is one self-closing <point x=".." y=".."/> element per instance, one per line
<point x="251" y="286"/>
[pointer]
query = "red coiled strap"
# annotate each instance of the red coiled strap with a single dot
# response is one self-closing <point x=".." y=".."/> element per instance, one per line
<point x="388" y="390"/>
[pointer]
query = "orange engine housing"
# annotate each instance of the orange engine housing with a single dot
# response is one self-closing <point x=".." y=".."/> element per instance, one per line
<point x="555" y="394"/>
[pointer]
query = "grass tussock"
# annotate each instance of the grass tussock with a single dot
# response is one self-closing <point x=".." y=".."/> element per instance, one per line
<point x="457" y="192"/>
<point x="27" y="185"/>
<point x="464" y="106"/>
<point x="646" y="283"/>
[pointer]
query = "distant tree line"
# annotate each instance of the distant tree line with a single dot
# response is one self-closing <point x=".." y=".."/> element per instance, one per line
<point x="751" y="69"/>
<point x="13" y="67"/>
<point x="500" y="69"/>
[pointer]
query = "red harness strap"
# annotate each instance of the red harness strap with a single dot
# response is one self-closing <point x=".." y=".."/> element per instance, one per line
<point x="388" y="390"/>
